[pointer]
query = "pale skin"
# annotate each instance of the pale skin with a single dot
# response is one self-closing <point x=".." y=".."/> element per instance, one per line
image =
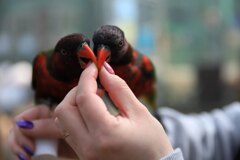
<point x="93" y="132"/>
<point x="96" y="134"/>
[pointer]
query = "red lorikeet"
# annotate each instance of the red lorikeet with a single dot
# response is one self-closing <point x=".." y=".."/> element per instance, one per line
<point x="135" y="68"/>
<point x="57" y="71"/>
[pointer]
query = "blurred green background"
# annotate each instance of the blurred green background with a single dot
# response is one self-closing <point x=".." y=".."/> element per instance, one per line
<point x="195" y="47"/>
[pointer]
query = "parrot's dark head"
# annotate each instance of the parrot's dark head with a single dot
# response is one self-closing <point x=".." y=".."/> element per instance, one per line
<point x="65" y="61"/>
<point x="112" y="38"/>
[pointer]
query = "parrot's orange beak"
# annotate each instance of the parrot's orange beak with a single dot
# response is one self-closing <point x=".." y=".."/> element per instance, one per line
<point x="85" y="55"/>
<point x="103" y="54"/>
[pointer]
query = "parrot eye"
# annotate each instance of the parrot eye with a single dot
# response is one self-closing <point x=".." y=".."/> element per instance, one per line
<point x="63" y="52"/>
<point x="120" y="43"/>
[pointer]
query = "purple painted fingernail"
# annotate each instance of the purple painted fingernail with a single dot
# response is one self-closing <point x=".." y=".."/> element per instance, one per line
<point x="21" y="156"/>
<point x="27" y="149"/>
<point x="24" y="124"/>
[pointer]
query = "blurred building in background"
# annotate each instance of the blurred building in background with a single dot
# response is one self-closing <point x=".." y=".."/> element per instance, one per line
<point x="195" y="46"/>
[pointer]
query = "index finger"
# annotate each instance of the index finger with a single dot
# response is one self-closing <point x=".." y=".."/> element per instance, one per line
<point x="87" y="82"/>
<point x="90" y="105"/>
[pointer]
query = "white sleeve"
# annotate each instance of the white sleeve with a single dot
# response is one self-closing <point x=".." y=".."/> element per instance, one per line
<point x="204" y="136"/>
<point x="175" y="155"/>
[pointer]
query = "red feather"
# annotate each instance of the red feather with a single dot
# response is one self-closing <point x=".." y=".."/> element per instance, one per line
<point x="45" y="85"/>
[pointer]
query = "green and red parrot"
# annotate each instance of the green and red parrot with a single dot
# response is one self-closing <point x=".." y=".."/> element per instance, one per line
<point x="135" y="68"/>
<point x="57" y="71"/>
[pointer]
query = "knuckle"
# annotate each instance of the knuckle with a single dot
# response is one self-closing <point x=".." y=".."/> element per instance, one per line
<point x="83" y="98"/>
<point x="121" y="81"/>
<point x="121" y="84"/>
<point x="60" y="109"/>
<point x="142" y="108"/>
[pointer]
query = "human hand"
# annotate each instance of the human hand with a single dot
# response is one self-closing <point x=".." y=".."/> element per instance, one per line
<point x="94" y="133"/>
<point x="35" y="123"/>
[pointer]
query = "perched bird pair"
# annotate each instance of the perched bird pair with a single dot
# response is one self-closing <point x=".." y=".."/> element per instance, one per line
<point x="57" y="71"/>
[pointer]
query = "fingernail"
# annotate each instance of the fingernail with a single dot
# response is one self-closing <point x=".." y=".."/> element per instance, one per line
<point x="27" y="149"/>
<point x="108" y="68"/>
<point x="24" y="124"/>
<point x="21" y="156"/>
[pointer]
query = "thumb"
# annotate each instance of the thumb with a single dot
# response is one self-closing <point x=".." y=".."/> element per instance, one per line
<point x="119" y="92"/>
